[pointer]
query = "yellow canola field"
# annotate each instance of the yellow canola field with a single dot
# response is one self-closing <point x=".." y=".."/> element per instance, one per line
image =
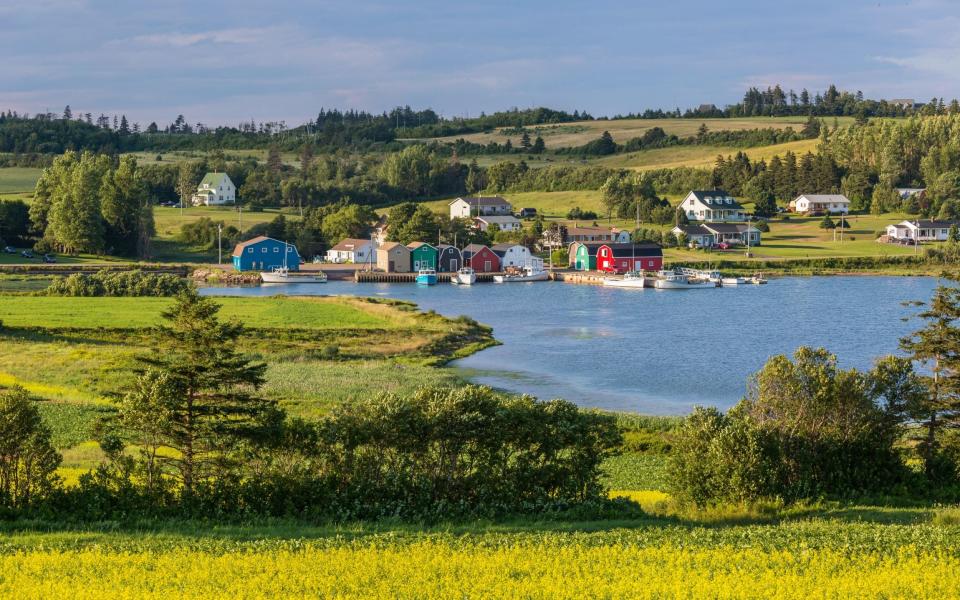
<point x="438" y="569"/>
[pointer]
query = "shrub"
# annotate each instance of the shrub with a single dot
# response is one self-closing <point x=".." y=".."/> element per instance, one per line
<point x="118" y="283"/>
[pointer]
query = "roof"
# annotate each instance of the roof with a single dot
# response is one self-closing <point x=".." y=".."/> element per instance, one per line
<point x="212" y="179"/>
<point x="930" y="223"/>
<point x="388" y="246"/>
<point x="584" y="230"/>
<point x="505" y="246"/>
<point x="591" y="247"/>
<point x="348" y="244"/>
<point x="239" y="248"/>
<point x="712" y="228"/>
<point x="483" y="201"/>
<point x="490" y="220"/>
<point x="474" y="248"/>
<point x="693" y="229"/>
<point x="642" y="249"/>
<point x="416" y="245"/>
<point x="447" y="247"/>
<point x="702" y="195"/>
<point x="825" y="198"/>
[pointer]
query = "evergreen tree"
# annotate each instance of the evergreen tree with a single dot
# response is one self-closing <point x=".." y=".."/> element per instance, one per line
<point x="28" y="460"/>
<point x="274" y="159"/>
<point x="67" y="113"/>
<point x="525" y="141"/>
<point x="124" y="125"/>
<point x="538" y="146"/>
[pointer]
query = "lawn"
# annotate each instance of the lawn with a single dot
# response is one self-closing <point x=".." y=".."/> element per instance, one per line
<point x="169" y="220"/>
<point x="18" y="179"/>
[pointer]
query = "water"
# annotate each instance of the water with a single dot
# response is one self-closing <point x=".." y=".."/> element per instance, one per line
<point x="650" y="351"/>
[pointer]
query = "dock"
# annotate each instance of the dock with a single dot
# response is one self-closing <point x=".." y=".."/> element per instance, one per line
<point x="381" y="277"/>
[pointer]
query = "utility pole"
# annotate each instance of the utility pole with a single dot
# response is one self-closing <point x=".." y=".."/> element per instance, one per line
<point x="240" y="217"/>
<point x="219" y="245"/>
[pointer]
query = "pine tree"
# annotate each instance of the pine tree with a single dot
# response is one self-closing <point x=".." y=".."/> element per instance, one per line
<point x="67" y="113"/>
<point x="274" y="159"/>
<point x="538" y="146"/>
<point x="124" y="125"/>
<point x="525" y="141"/>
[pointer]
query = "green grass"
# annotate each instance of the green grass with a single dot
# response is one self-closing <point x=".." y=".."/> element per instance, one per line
<point x="18" y="179"/>
<point x="274" y="312"/>
<point x="698" y="156"/>
<point x="632" y="471"/>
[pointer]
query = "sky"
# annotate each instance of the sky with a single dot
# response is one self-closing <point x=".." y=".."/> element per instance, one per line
<point x="222" y="62"/>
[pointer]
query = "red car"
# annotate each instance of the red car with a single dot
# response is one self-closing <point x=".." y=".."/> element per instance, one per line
<point x="723" y="246"/>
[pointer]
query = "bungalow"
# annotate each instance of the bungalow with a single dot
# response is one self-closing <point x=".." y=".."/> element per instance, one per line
<point x="619" y="258"/>
<point x="511" y="255"/>
<point x="449" y="259"/>
<point x="812" y="204"/>
<point x="215" y="189"/>
<point x="481" y="259"/>
<point x="504" y="223"/>
<point x="422" y="256"/>
<point x="481" y="206"/>
<point x="583" y="255"/>
<point x="922" y="230"/>
<point x="711" y="206"/>
<point x="708" y="235"/>
<point x="393" y="257"/>
<point x="263" y="254"/>
<point x="352" y="250"/>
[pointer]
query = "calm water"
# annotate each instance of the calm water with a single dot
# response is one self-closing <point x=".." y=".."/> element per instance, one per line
<point x="655" y="352"/>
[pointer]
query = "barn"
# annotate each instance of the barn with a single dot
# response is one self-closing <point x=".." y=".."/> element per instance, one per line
<point x="583" y="255"/>
<point x="449" y="259"/>
<point x="511" y="255"/>
<point x="481" y="259"/>
<point x="619" y="258"/>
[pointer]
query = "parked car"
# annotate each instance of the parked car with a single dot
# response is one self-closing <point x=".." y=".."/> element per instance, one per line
<point x="27" y="254"/>
<point x="49" y="258"/>
<point x="723" y="246"/>
<point x="10" y="250"/>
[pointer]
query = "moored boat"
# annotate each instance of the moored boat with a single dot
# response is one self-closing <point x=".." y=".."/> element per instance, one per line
<point x="631" y="279"/>
<point x="284" y="275"/>
<point x="465" y="276"/>
<point x="427" y="277"/>
<point x="533" y="271"/>
<point x="732" y="281"/>
<point x="675" y="280"/>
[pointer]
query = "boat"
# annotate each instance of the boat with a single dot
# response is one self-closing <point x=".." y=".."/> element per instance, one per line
<point x="758" y="279"/>
<point x="427" y="277"/>
<point x="284" y="275"/>
<point x="732" y="281"/>
<point x="532" y="272"/>
<point x="675" y="280"/>
<point x="465" y="276"/>
<point x="631" y="279"/>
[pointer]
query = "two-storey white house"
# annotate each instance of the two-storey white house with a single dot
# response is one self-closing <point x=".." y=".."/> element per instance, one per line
<point x="351" y="250"/>
<point x="921" y="230"/>
<point x="712" y="206"/>
<point x="215" y="189"/>
<point x="482" y="206"/>
<point x="834" y="204"/>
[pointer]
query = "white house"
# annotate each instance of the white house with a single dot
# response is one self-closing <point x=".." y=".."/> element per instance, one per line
<point x="905" y="193"/>
<point x="351" y="250"/>
<point x="922" y="230"/>
<point x="512" y="255"/>
<point x="464" y="208"/>
<point x="711" y="206"/>
<point x="505" y="223"/>
<point x="835" y="204"/>
<point x="215" y="189"/>
<point x="708" y="235"/>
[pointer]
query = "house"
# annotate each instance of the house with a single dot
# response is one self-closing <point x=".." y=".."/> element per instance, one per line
<point x="449" y="259"/>
<point x="504" y="223"/>
<point x="922" y="230"/>
<point x="264" y="254"/>
<point x="711" y="206"/>
<point x="422" y="256"/>
<point x="352" y="250"/>
<point x="393" y="257"/>
<point x="708" y="235"/>
<point x="577" y="233"/>
<point x="481" y="258"/>
<point x="906" y="103"/>
<point x="214" y="190"/>
<point x="906" y="193"/>
<point x="478" y="207"/>
<point x="619" y="258"/>
<point x="815" y="204"/>
<point x="583" y="255"/>
<point x="511" y="255"/>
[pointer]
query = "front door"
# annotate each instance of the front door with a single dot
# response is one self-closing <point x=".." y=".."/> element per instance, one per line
<point x="453" y="265"/>
<point x="392" y="266"/>
<point x="487" y="266"/>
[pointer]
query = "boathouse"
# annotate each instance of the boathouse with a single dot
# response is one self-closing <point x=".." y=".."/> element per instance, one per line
<point x="264" y="254"/>
<point x="422" y="256"/>
<point x="620" y="258"/>
<point x="481" y="259"/>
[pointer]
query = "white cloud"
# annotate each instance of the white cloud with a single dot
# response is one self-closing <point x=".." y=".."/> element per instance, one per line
<point x="224" y="36"/>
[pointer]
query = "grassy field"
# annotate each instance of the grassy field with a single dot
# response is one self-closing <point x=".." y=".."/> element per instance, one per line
<point x="698" y="156"/>
<point x="18" y="179"/>
<point x="576" y="134"/>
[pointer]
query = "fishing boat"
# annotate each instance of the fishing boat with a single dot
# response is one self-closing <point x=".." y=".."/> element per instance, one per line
<point x="676" y="280"/>
<point x="533" y="271"/>
<point x="465" y="276"/>
<point x="732" y="281"/>
<point x="284" y="275"/>
<point x="631" y="279"/>
<point x="758" y="279"/>
<point x="427" y="277"/>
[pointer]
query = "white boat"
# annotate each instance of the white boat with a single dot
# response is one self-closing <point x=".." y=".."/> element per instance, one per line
<point x="465" y="276"/>
<point x="758" y="279"/>
<point x="283" y="275"/>
<point x="675" y="280"/>
<point x="631" y="279"/>
<point x="529" y="273"/>
<point x="732" y="281"/>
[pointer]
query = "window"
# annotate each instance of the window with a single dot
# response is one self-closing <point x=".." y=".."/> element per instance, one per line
<point x="729" y="200"/>
<point x="250" y="250"/>
<point x="263" y="250"/>
<point x="708" y="200"/>
<point x="289" y="248"/>
<point x="649" y="263"/>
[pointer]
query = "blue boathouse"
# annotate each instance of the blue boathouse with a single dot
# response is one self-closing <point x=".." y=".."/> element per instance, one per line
<point x="263" y="254"/>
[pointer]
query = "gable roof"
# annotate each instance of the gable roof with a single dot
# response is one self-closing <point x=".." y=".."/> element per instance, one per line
<point x="497" y="219"/>
<point x="483" y="201"/>
<point x="702" y="195"/>
<point x="388" y="246"/>
<point x="714" y="228"/>
<point x="474" y="248"/>
<point x="930" y="223"/>
<point x="591" y="247"/>
<point x="349" y="244"/>
<point x="825" y="198"/>
<point x="505" y="246"/>
<point x="239" y="248"/>
<point x="212" y="179"/>
<point x="640" y="249"/>
<point x="416" y="245"/>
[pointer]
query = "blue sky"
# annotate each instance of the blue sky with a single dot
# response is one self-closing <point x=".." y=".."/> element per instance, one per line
<point x="225" y="61"/>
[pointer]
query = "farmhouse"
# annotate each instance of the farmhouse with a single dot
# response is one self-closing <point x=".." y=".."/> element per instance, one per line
<point x="263" y="254"/>
<point x="504" y="223"/>
<point x="393" y="257"/>
<point x="481" y="258"/>
<point x="619" y="258"/>
<point x="815" y="204"/>
<point x="422" y="256"/>
<point x="352" y="250"/>
<point x="708" y="235"/>
<point x="583" y="255"/>
<point x="214" y="190"/>
<point x="922" y="230"/>
<point x="511" y="255"/>
<point x="464" y="208"/>
<point x="449" y="259"/>
<point x="711" y="206"/>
